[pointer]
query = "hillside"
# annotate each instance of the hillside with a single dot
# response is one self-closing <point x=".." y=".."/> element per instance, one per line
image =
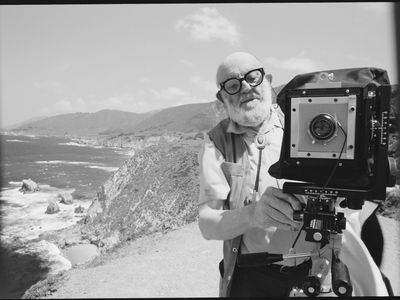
<point x="154" y="191"/>
<point x="184" y="118"/>
<point x="82" y="124"/>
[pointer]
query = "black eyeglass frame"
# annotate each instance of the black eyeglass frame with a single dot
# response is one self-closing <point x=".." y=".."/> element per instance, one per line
<point x="222" y="84"/>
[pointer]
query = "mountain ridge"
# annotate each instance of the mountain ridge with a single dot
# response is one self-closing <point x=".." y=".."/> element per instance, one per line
<point x="184" y="118"/>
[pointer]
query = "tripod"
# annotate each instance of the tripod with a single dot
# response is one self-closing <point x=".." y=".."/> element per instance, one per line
<point x="322" y="225"/>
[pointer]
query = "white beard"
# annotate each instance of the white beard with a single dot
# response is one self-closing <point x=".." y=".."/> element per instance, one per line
<point x="253" y="114"/>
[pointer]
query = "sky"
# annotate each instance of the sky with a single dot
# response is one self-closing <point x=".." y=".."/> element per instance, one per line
<point x="57" y="59"/>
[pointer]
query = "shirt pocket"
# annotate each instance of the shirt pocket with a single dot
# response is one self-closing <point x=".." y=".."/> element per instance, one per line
<point x="232" y="169"/>
<point x="234" y="173"/>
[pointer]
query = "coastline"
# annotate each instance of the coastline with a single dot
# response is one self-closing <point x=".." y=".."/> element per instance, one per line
<point x="26" y="256"/>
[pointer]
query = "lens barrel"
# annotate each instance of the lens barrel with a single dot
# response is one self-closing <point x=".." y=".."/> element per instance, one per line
<point x="323" y="127"/>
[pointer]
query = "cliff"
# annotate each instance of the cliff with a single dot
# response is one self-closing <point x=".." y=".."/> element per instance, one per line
<point x="154" y="191"/>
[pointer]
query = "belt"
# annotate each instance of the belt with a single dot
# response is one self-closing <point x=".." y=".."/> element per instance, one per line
<point x="256" y="261"/>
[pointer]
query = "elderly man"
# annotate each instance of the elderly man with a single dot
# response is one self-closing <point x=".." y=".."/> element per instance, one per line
<point x="240" y="203"/>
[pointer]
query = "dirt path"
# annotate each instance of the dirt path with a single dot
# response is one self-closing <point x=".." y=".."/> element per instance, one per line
<point x="179" y="264"/>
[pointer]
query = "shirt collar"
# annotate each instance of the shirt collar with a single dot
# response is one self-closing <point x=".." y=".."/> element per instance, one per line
<point x="267" y="126"/>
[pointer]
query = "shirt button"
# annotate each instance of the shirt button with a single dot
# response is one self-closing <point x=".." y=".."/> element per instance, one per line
<point x="234" y="250"/>
<point x="229" y="278"/>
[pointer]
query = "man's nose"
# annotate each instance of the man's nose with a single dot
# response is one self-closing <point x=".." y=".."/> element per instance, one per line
<point x="245" y="86"/>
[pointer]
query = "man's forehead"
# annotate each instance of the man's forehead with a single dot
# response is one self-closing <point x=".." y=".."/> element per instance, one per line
<point x="236" y="65"/>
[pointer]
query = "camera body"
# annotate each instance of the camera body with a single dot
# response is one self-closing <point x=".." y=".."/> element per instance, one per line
<point x="335" y="143"/>
<point x="336" y="135"/>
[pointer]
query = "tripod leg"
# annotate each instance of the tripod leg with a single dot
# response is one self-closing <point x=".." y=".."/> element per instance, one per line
<point x="341" y="283"/>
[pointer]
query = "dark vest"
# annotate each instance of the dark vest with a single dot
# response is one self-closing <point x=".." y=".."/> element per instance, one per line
<point x="236" y="169"/>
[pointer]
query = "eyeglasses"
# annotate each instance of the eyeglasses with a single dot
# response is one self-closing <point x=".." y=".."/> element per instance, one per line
<point x="233" y="85"/>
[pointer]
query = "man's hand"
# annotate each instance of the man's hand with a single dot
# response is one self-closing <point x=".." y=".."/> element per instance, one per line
<point x="276" y="208"/>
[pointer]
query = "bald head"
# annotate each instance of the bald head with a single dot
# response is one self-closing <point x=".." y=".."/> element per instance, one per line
<point x="236" y="64"/>
<point x="250" y="105"/>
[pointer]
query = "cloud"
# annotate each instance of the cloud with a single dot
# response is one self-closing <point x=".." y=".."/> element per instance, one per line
<point x="204" y="84"/>
<point x="378" y="8"/>
<point x="209" y="24"/>
<point x="298" y="63"/>
<point x="49" y="85"/>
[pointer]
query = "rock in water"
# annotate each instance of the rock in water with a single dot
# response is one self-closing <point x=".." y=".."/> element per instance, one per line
<point x="52" y="208"/>
<point x="29" y="186"/>
<point x="65" y="198"/>
<point x="79" y="210"/>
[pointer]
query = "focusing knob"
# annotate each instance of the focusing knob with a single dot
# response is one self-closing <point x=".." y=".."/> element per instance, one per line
<point x="311" y="286"/>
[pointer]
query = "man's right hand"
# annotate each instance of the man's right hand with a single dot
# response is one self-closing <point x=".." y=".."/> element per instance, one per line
<point x="276" y="208"/>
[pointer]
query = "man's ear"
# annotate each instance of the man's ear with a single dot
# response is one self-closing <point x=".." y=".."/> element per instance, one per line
<point x="269" y="77"/>
<point x="219" y="97"/>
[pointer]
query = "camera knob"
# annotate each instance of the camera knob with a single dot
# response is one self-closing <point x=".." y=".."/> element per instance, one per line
<point x="317" y="236"/>
<point x="311" y="286"/>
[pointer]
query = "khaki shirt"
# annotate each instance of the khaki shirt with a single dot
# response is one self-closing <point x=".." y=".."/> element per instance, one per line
<point x="213" y="185"/>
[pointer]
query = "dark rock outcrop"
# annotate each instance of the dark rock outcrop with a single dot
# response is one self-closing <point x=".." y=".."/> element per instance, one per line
<point x="65" y="198"/>
<point x="29" y="186"/>
<point x="79" y="210"/>
<point x="52" y="207"/>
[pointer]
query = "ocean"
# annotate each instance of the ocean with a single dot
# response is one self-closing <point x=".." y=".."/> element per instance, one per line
<point x="57" y="165"/>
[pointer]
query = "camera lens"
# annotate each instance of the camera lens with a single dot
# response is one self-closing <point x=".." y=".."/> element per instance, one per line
<point x="323" y="127"/>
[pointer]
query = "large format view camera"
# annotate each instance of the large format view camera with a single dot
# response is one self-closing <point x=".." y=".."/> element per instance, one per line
<point x="336" y="135"/>
<point x="335" y="146"/>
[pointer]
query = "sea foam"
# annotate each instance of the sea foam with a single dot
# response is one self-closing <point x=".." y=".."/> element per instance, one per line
<point x="49" y="253"/>
<point x="18" y="141"/>
<point x="52" y="162"/>
<point x="108" y="169"/>
<point x="31" y="208"/>
<point x="24" y="219"/>
<point x="81" y="145"/>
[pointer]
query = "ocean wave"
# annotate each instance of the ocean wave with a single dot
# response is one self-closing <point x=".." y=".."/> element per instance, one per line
<point x="73" y="144"/>
<point x="108" y="169"/>
<point x="129" y="152"/>
<point x="18" y="141"/>
<point x="52" y="162"/>
<point x="48" y="252"/>
<point x="78" y="144"/>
